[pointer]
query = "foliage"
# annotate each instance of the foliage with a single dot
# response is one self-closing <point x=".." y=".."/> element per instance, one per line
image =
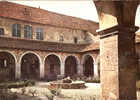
<point x="17" y="84"/>
<point x="50" y="97"/>
<point x="32" y="92"/>
<point x="55" y="90"/>
<point x="23" y="90"/>
<point x="29" y="82"/>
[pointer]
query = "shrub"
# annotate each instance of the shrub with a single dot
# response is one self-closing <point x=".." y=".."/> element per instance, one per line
<point x="32" y="92"/>
<point x="29" y="82"/>
<point x="50" y="97"/>
<point x="17" y="84"/>
<point x="23" y="90"/>
<point x="55" y="90"/>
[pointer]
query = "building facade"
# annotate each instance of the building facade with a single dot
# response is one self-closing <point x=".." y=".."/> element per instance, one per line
<point x="38" y="44"/>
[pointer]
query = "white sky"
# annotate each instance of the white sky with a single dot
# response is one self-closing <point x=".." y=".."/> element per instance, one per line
<point x="81" y="8"/>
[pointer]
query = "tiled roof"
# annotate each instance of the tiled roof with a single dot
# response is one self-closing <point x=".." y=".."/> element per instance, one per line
<point x="37" y="15"/>
<point x="17" y="43"/>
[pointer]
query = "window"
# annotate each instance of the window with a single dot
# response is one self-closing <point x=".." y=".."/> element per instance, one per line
<point x="1" y="31"/>
<point x="16" y="30"/>
<point x="28" y="32"/>
<point x="75" y="40"/>
<point x="39" y="33"/>
<point x="61" y="38"/>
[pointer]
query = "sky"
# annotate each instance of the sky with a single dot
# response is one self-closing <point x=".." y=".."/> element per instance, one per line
<point x="81" y="8"/>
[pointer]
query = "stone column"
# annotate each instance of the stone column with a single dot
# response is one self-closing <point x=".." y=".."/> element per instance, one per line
<point x="62" y="69"/>
<point x="80" y="69"/>
<point x="18" y="71"/>
<point x="95" y="67"/>
<point x="118" y="63"/>
<point x="42" y="68"/>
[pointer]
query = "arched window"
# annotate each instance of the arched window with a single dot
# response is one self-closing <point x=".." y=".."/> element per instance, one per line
<point x="28" y="32"/>
<point x="16" y="30"/>
<point x="39" y="33"/>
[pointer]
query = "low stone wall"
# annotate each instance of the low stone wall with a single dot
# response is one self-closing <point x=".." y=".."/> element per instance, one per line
<point x="77" y="85"/>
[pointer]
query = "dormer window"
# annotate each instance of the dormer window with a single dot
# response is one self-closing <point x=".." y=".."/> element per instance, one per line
<point x="16" y="30"/>
<point x="28" y="32"/>
<point x="1" y="31"/>
<point x="26" y="12"/>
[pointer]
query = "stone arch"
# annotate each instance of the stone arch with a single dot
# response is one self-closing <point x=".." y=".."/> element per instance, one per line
<point x="88" y="65"/>
<point x="83" y="57"/>
<point x="30" y="68"/>
<point x="53" y="54"/>
<point x="11" y="54"/>
<point x="7" y="65"/>
<point x="71" y="61"/>
<point x="52" y="66"/>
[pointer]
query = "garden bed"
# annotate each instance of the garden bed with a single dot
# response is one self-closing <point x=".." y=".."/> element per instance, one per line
<point x="17" y="84"/>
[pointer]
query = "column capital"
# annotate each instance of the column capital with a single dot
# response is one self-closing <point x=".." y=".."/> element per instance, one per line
<point x="117" y="30"/>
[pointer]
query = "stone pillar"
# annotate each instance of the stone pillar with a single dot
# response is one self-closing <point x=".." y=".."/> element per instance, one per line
<point x="95" y="67"/>
<point x="42" y="70"/>
<point x="80" y="69"/>
<point x="18" y="71"/>
<point x="118" y="63"/>
<point x="62" y="69"/>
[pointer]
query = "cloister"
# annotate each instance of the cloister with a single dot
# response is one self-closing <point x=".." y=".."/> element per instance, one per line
<point x="116" y="62"/>
<point x="30" y="65"/>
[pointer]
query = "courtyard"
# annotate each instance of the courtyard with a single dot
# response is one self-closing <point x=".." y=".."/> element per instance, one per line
<point x="44" y="55"/>
<point x="40" y="91"/>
